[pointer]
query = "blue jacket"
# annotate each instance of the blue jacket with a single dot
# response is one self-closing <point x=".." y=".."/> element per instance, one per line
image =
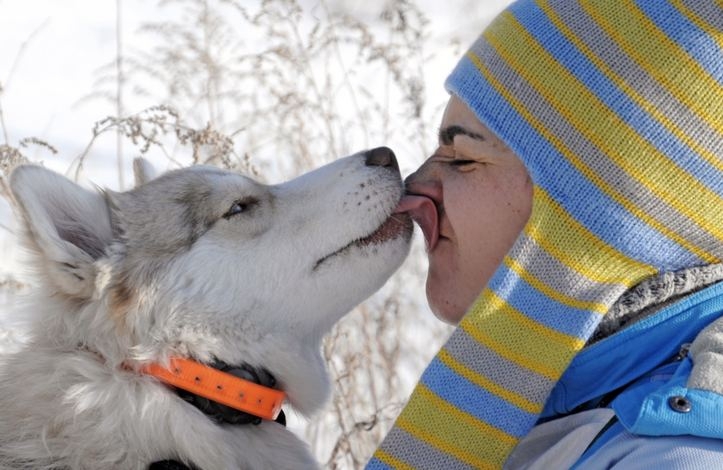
<point x="641" y="375"/>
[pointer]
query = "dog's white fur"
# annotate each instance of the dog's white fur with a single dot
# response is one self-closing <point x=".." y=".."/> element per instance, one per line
<point x="158" y="271"/>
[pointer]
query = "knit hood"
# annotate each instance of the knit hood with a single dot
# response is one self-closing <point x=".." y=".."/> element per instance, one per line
<point x="616" y="109"/>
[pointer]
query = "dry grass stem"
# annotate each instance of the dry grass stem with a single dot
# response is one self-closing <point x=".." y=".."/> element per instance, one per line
<point x="2" y="118"/>
<point x="153" y="127"/>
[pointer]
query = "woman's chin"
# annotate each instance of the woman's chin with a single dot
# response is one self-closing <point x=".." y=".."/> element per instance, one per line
<point x="444" y="308"/>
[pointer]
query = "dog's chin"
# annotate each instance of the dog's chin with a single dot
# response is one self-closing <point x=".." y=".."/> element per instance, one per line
<point x="394" y="227"/>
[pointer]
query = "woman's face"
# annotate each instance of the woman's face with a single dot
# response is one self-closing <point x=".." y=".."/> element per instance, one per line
<point x="483" y="198"/>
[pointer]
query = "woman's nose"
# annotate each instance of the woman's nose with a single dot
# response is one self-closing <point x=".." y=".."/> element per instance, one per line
<point x="424" y="181"/>
<point x="417" y="183"/>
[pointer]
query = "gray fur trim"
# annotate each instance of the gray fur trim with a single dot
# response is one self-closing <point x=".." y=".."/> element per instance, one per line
<point x="653" y="294"/>
<point x="707" y="355"/>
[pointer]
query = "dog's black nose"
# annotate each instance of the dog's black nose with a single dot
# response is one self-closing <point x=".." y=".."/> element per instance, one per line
<point x="381" y="156"/>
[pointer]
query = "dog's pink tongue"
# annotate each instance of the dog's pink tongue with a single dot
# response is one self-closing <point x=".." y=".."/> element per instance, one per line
<point x="423" y="212"/>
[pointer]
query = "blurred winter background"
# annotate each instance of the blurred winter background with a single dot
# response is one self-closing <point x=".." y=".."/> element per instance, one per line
<point x="272" y="88"/>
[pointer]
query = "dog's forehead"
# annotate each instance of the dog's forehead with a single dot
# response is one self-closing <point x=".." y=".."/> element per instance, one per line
<point x="202" y="175"/>
<point x="175" y="209"/>
<point x="196" y="185"/>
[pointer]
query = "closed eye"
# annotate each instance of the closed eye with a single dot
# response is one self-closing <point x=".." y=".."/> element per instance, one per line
<point x="461" y="162"/>
<point x="241" y="206"/>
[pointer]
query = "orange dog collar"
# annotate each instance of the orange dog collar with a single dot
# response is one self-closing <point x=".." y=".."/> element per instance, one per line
<point x="220" y="387"/>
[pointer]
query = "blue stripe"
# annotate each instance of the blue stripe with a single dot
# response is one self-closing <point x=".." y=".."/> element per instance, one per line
<point x="475" y="400"/>
<point x="548" y="312"/>
<point x="556" y="44"/>
<point x="584" y="201"/>
<point x="376" y="464"/>
<point x="680" y="30"/>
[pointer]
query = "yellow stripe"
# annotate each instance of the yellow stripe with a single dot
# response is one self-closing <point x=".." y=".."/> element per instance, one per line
<point x="530" y="334"/>
<point x="515" y="266"/>
<point x="575" y="263"/>
<point x="630" y="23"/>
<point x="517" y="338"/>
<point x="424" y="433"/>
<point x="587" y="113"/>
<point x="578" y="248"/>
<point x="712" y="31"/>
<point x="516" y="399"/>
<point x="659" y="115"/>
<point x="454" y="431"/>
<point x="390" y="460"/>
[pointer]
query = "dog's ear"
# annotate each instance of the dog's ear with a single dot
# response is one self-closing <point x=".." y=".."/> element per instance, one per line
<point x="143" y="171"/>
<point x="67" y="227"/>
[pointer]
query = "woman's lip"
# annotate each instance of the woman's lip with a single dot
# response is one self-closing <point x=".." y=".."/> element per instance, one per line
<point x="423" y="211"/>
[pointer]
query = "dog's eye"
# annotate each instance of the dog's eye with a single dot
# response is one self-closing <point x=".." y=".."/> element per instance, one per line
<point x="241" y="206"/>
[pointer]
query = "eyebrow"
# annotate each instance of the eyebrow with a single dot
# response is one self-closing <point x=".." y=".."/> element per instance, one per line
<point x="447" y="134"/>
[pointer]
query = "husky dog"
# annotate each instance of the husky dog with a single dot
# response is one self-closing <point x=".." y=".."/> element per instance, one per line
<point x="197" y="263"/>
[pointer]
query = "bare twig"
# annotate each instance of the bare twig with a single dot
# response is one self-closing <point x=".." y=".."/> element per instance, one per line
<point x="21" y="51"/>
<point x="2" y="118"/>
<point x="10" y="157"/>
<point x="149" y="128"/>
<point x="345" y="75"/>
<point x="119" y="89"/>
<point x="7" y="229"/>
<point x="28" y="141"/>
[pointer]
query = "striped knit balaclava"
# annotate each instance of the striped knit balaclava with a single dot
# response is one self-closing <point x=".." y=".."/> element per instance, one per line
<point x="616" y="109"/>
